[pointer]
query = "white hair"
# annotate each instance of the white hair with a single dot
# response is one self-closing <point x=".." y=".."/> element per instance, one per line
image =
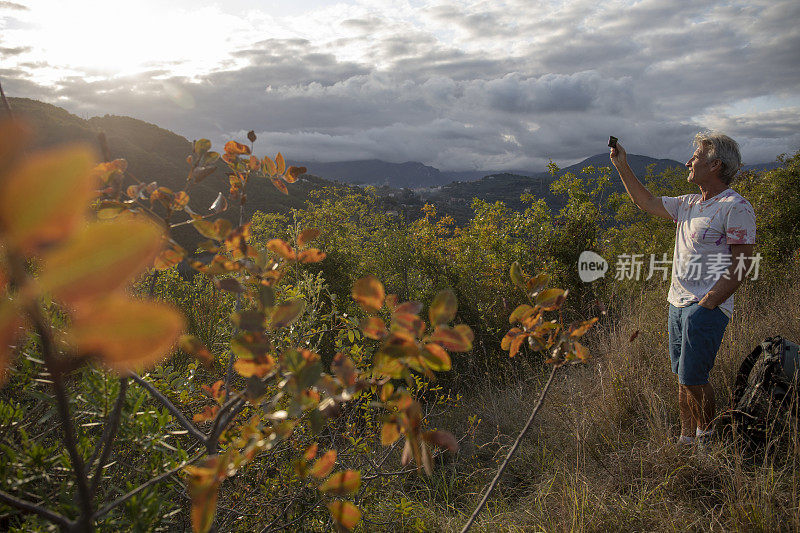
<point x="716" y="145"/>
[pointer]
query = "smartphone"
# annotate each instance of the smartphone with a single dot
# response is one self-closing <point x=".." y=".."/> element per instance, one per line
<point x="612" y="141"/>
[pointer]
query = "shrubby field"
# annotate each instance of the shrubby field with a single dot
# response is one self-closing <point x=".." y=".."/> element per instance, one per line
<point x="345" y="367"/>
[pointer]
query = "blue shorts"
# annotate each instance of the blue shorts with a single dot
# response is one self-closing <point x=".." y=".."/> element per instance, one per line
<point x="695" y="334"/>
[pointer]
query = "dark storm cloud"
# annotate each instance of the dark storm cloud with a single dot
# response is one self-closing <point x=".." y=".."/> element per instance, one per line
<point x="508" y="85"/>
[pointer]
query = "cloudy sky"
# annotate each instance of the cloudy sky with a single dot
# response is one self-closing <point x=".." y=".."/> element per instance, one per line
<point x="460" y="85"/>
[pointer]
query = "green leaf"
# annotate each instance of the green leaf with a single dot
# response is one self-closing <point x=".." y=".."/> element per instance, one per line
<point x="517" y="276"/>
<point x="201" y="146"/>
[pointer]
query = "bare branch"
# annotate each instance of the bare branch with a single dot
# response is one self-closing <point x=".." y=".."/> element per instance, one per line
<point x="27" y="506"/>
<point x="5" y="102"/>
<point x="182" y="420"/>
<point x="511" y="452"/>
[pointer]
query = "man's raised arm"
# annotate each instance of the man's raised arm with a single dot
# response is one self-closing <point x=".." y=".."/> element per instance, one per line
<point x="638" y="193"/>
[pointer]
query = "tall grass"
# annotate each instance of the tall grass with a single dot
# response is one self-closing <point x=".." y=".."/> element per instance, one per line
<point x="603" y="456"/>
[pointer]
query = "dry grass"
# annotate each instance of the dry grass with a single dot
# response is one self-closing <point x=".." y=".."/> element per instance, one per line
<point x="602" y="456"/>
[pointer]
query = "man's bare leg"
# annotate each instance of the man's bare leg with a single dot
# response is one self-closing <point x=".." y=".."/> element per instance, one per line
<point x="701" y="404"/>
<point x="688" y="422"/>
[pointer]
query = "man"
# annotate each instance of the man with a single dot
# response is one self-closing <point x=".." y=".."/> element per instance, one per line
<point x="714" y="242"/>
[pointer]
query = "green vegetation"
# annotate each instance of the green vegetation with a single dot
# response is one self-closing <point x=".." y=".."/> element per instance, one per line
<point x="311" y="390"/>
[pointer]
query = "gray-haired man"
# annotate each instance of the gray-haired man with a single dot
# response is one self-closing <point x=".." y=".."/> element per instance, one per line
<point x="714" y="242"/>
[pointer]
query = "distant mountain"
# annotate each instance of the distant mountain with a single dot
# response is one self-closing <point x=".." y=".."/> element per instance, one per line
<point x="456" y="198"/>
<point x="156" y="154"/>
<point x="415" y="175"/>
<point x="376" y="172"/>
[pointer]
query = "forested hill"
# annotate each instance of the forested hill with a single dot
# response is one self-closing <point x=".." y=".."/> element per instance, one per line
<point x="156" y="154"/>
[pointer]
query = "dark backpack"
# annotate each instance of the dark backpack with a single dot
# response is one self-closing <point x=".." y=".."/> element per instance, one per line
<point x="766" y="393"/>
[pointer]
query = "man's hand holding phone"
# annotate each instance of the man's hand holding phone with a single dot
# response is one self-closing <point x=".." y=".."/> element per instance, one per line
<point x="618" y="154"/>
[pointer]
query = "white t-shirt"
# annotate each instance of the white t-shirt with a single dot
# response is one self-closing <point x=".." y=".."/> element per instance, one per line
<point x="705" y="231"/>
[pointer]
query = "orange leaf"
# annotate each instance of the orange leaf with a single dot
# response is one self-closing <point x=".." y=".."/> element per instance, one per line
<point x="169" y="257"/>
<point x="254" y="163"/>
<point x="451" y="339"/>
<point x="516" y="344"/>
<point x="581" y="351"/>
<point x="306" y="236"/>
<point x="344" y="369"/>
<point x="269" y="167"/>
<point x="444" y="306"/>
<point x="344" y="513"/>
<point x="551" y="299"/>
<point x="217" y="230"/>
<point x="45" y="197"/>
<point x="193" y="346"/>
<point x="521" y="313"/>
<point x="294" y="172"/>
<point x="436" y="357"/>
<point x="102" y="257"/>
<point x="412" y="308"/>
<point x="254" y="367"/>
<point x="126" y="334"/>
<point x="203" y="487"/>
<point x="286" y="313"/>
<point x="236" y="148"/>
<point x="389" y="433"/>
<point x="369" y="293"/>
<point x="280" y="163"/>
<point x="579" y="329"/>
<point x="281" y="248"/>
<point x="411" y="323"/>
<point x="311" y="452"/>
<point x="208" y="413"/>
<point x="280" y="185"/>
<point x="443" y="439"/>
<point x="179" y="201"/>
<point x="373" y="327"/>
<point x="505" y="344"/>
<point x="342" y="483"/>
<point x="324" y="465"/>
<point x="312" y="255"/>
<point x="104" y="171"/>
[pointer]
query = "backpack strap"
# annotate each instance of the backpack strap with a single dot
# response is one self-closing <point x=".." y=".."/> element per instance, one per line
<point x="744" y="371"/>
